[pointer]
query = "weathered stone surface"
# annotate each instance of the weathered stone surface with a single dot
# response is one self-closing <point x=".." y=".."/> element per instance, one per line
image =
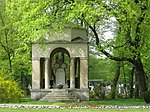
<point x="72" y="42"/>
<point x="59" y="95"/>
<point x="36" y="73"/>
<point x="67" y="34"/>
<point x="75" y="49"/>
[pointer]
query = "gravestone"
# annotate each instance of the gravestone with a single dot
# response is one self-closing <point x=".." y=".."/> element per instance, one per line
<point x="60" y="76"/>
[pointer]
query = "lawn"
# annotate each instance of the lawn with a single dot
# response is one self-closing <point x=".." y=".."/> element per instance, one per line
<point x="120" y="102"/>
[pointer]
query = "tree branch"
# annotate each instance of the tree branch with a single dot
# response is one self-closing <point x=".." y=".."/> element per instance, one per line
<point x="115" y="58"/>
<point x="95" y="33"/>
<point x="105" y="52"/>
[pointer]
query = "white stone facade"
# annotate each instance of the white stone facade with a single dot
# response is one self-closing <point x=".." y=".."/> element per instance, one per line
<point x="72" y="42"/>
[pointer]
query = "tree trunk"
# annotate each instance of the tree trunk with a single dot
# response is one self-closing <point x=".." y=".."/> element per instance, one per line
<point x="115" y="80"/>
<point x="10" y="62"/>
<point x="131" y="82"/>
<point x="136" y="91"/>
<point x="125" y="82"/>
<point x="140" y="75"/>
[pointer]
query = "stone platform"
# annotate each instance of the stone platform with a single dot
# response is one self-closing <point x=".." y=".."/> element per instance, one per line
<point x="59" y="95"/>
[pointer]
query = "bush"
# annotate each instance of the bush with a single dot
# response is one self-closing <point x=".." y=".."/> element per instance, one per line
<point x="9" y="91"/>
<point x="92" y="94"/>
<point x="147" y="96"/>
<point x="99" y="91"/>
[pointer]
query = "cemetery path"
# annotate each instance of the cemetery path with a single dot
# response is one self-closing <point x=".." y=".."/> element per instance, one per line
<point x="70" y="107"/>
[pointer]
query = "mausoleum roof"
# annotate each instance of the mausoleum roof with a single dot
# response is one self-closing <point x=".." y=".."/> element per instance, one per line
<point x="64" y="36"/>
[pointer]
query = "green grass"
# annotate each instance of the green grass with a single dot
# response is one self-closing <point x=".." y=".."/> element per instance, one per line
<point x="28" y="101"/>
<point x="120" y="102"/>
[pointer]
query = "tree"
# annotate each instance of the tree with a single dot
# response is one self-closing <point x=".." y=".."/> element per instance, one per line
<point x="100" y="68"/>
<point x="132" y="19"/>
<point x="131" y="77"/>
<point x="14" y="51"/>
<point x="115" y="80"/>
<point x="4" y="38"/>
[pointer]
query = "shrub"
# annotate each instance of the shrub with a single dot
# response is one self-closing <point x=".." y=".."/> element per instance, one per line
<point x="9" y="91"/>
<point x="99" y="91"/>
<point x="92" y="94"/>
<point x="147" y="96"/>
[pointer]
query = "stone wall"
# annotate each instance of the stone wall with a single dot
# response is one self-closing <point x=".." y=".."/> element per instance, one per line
<point x="75" y="50"/>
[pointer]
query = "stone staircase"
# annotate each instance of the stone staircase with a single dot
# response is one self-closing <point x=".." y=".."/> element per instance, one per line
<point x="59" y="95"/>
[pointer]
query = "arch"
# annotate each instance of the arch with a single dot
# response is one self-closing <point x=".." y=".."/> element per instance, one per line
<point x="77" y="39"/>
<point x="59" y="49"/>
<point x="60" y="70"/>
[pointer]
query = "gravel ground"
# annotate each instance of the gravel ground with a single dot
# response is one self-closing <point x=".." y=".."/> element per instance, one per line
<point x="71" y="107"/>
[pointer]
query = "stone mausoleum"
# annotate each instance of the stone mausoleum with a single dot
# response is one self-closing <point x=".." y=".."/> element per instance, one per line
<point x="60" y="66"/>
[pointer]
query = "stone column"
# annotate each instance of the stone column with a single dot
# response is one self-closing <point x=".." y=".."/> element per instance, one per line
<point x="83" y="73"/>
<point x="36" y="73"/>
<point x="72" y="74"/>
<point x="50" y="71"/>
<point x="47" y="81"/>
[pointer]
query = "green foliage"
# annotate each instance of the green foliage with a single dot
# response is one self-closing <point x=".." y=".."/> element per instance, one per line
<point x="113" y="93"/>
<point x="27" y="20"/>
<point x="92" y="94"/>
<point x="147" y="96"/>
<point x="98" y="92"/>
<point x="15" y="50"/>
<point x="9" y="91"/>
<point x="100" y="68"/>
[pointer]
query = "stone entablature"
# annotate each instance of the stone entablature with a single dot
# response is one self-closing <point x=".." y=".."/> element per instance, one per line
<point x="75" y="50"/>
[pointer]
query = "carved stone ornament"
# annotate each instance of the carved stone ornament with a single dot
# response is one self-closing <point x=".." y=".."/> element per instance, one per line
<point x="64" y="65"/>
<point x="56" y="65"/>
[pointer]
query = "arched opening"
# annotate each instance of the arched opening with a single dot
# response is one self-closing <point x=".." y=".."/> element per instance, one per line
<point x="77" y="39"/>
<point x="60" y="68"/>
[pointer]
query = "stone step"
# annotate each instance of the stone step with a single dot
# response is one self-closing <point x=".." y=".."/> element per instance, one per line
<point x="59" y="91"/>
<point x="61" y="100"/>
<point x="58" y="95"/>
<point x="47" y="97"/>
<point x="58" y="99"/>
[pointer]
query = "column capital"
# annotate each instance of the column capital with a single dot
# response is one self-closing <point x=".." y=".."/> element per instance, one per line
<point x="72" y="58"/>
<point x="84" y="58"/>
<point x="47" y="58"/>
<point x="35" y="58"/>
